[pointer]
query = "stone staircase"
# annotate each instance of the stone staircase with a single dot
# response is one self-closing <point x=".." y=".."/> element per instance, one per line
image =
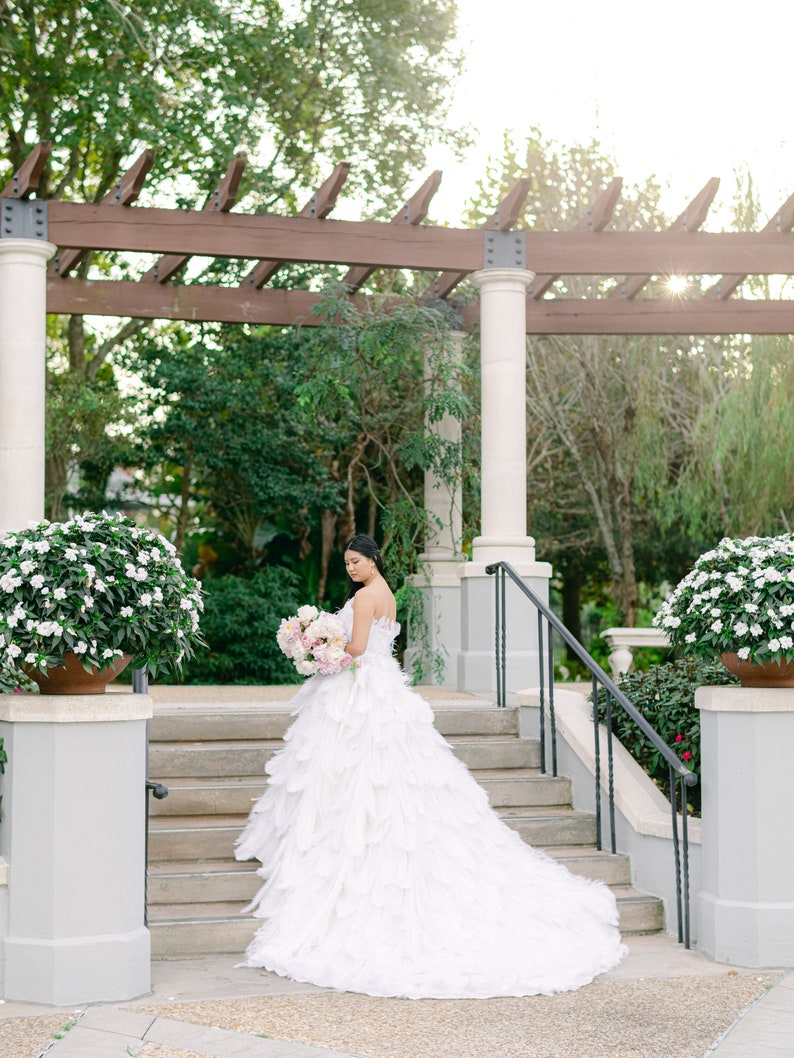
<point x="211" y="755"/>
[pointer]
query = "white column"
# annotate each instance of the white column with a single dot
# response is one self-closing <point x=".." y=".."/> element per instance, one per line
<point x="503" y="366"/>
<point x="73" y="835"/>
<point x="504" y="494"/>
<point x="746" y="905"/>
<point x="23" y="308"/>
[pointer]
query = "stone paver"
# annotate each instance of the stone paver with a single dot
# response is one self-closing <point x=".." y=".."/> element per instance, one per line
<point x="766" y="1030"/>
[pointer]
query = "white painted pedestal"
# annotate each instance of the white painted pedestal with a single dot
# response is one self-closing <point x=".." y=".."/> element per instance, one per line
<point x="746" y="906"/>
<point x="73" y="835"/>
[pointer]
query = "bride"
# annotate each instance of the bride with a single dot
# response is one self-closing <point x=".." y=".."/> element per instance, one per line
<point x="386" y="870"/>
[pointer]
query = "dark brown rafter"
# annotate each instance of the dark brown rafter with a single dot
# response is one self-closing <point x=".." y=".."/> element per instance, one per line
<point x="507" y="213"/>
<point x="690" y="220"/>
<point x="124" y="193"/>
<point x="783" y="221"/>
<point x="596" y="219"/>
<point x="26" y="178"/>
<point x="319" y="205"/>
<point x="222" y="199"/>
<point x="413" y="212"/>
<point x="201" y="303"/>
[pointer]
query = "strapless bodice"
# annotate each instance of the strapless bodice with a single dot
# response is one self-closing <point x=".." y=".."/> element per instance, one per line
<point x="381" y="636"/>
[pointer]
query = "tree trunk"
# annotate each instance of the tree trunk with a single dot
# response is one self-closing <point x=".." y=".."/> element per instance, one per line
<point x="572" y="611"/>
<point x="183" y="517"/>
<point x="328" y="538"/>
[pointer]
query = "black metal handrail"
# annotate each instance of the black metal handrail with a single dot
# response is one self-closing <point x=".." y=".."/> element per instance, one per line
<point x="678" y="770"/>
<point x="140" y="685"/>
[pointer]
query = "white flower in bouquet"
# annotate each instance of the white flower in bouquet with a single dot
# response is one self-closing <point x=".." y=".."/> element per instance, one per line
<point x="314" y="641"/>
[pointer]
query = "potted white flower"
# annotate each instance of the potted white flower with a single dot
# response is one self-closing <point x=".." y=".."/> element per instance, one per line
<point x="90" y="595"/>
<point x="738" y="603"/>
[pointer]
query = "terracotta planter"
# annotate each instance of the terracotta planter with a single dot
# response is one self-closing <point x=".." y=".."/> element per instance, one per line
<point x="72" y="678"/>
<point x="767" y="674"/>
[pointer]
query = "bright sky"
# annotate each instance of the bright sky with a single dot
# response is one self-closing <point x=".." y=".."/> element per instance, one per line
<point x="680" y="89"/>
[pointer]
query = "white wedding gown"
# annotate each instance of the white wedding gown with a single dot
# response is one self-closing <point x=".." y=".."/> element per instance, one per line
<point x="386" y="870"/>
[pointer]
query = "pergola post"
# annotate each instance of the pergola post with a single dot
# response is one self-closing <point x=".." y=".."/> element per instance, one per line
<point x="503" y="536"/>
<point x="439" y="576"/>
<point x="23" y="307"/>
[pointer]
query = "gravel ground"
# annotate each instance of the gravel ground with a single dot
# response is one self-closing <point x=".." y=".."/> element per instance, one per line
<point x="28" y="1037"/>
<point x="660" y="1018"/>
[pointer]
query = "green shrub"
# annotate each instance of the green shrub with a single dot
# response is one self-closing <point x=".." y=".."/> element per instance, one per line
<point x="239" y="623"/>
<point x="13" y="680"/>
<point x="665" y="697"/>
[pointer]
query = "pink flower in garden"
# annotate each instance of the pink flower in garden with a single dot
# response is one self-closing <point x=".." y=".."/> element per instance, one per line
<point x="679" y="737"/>
<point x="687" y="755"/>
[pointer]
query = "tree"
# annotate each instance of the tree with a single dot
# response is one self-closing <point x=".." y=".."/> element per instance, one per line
<point x="199" y="79"/>
<point x="310" y="433"/>
<point x="610" y="418"/>
<point x="738" y="478"/>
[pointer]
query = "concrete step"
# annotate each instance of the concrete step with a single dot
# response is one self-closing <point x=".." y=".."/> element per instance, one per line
<point x="593" y="863"/>
<point x="551" y="826"/>
<point x="188" y="759"/>
<point x="199" y="929"/>
<point x="191" y="929"/>
<point x="233" y="723"/>
<point x="262" y="721"/>
<point x="523" y="787"/>
<point x="227" y="880"/>
<point x="229" y="795"/>
<point x="209" y="795"/>
<point x="193" y="838"/>
<point x="212" y="837"/>
<point x="220" y="881"/>
<point x="639" y="912"/>
<point x="494" y="752"/>
<point x="192" y="759"/>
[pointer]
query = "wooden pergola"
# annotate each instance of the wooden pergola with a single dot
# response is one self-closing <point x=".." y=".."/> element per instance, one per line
<point x="270" y="241"/>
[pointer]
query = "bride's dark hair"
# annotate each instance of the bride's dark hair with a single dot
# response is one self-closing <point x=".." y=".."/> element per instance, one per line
<point x="366" y="546"/>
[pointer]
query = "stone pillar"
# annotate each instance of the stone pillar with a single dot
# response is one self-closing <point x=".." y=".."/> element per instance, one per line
<point x="746" y="905"/>
<point x="504" y="492"/>
<point x="23" y="309"/>
<point x="438" y="578"/>
<point x="73" y="835"/>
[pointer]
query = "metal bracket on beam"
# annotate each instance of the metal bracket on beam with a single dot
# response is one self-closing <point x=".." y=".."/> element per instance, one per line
<point x="505" y="249"/>
<point x="23" y="220"/>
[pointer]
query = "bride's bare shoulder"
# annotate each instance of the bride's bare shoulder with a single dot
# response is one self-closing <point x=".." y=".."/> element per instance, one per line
<point x="378" y="601"/>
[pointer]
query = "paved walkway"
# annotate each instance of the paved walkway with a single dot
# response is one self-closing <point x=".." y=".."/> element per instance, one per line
<point x="662" y="1002"/>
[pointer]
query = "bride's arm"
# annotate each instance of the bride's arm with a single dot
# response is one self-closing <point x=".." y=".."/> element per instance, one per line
<point x="363" y="616"/>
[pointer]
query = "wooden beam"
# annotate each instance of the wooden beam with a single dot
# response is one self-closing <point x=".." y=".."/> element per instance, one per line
<point x="201" y="303"/>
<point x="88" y="226"/>
<point x="198" y="303"/>
<point x="596" y="219"/>
<point x="782" y="221"/>
<point x="659" y="316"/>
<point x="690" y="220"/>
<point x="505" y="216"/>
<point x="319" y="205"/>
<point x="124" y="193"/>
<point x="413" y="212"/>
<point x="220" y="201"/>
<point x="27" y="177"/>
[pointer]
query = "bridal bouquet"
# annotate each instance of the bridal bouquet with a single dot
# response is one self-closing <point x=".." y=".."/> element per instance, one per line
<point x="314" y="641"/>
